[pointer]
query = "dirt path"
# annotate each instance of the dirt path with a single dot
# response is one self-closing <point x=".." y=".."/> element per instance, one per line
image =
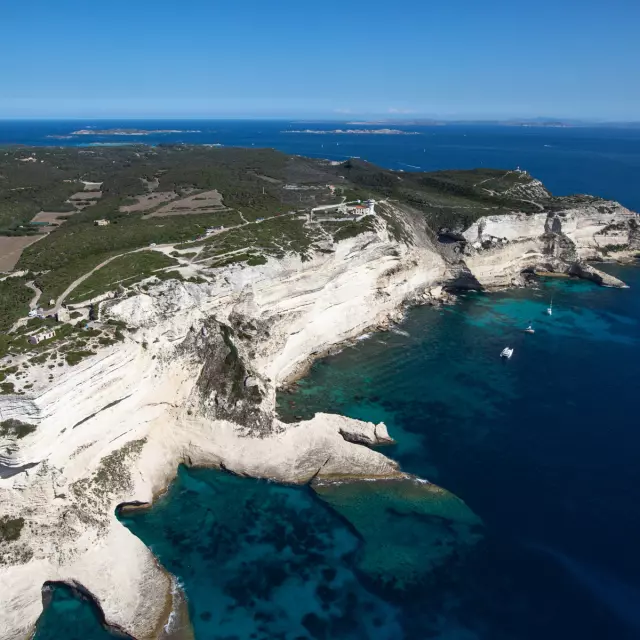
<point x="33" y="304"/>
<point x="34" y="301"/>
<point x="63" y="296"/>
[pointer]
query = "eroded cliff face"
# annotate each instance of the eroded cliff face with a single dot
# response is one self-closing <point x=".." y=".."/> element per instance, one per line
<point x="499" y="248"/>
<point x="195" y="382"/>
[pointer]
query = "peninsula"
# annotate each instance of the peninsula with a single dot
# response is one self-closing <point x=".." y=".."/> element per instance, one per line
<point x="179" y="288"/>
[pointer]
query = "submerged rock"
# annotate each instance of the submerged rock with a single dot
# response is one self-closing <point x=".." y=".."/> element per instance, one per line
<point x="409" y="528"/>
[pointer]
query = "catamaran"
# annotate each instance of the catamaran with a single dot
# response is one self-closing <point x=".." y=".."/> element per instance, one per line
<point x="507" y="352"/>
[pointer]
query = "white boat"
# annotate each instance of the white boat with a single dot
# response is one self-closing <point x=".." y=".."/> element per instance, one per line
<point x="507" y="352"/>
<point x="550" y="309"/>
<point x="529" y="329"/>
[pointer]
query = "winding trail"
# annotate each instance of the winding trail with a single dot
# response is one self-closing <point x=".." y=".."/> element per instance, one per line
<point x="32" y="305"/>
<point x="62" y="297"/>
<point x="34" y="301"/>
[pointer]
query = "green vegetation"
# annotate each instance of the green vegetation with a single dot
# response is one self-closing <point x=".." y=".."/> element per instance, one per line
<point x="256" y="260"/>
<point x="254" y="183"/>
<point x="341" y="230"/>
<point x="74" y="357"/>
<point x="16" y="428"/>
<point x="448" y="198"/>
<point x="169" y="275"/>
<point x="69" y="340"/>
<point x="14" y="301"/>
<point x="112" y="475"/>
<point x="123" y="270"/>
<point x="276" y="237"/>
<point x="29" y="187"/>
<point x="78" y="247"/>
<point x="10" y="528"/>
<point x="7" y="371"/>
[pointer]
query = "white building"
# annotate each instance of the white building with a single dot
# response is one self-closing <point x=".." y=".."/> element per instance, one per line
<point x="102" y="223"/>
<point x="40" y="337"/>
<point x="362" y="208"/>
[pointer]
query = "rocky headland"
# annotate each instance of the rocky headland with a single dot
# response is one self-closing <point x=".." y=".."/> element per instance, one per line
<point x="194" y="381"/>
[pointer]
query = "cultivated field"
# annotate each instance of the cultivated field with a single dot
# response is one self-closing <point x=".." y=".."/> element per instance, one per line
<point x="84" y="196"/>
<point x="205" y="202"/>
<point x="11" y="249"/>
<point x="149" y="201"/>
<point x="52" y="217"/>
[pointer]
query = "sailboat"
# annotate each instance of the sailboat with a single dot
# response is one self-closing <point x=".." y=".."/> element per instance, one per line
<point x="550" y="308"/>
<point x="529" y="329"/>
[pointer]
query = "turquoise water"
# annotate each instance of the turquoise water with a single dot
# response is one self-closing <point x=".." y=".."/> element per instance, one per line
<point x="70" y="616"/>
<point x="259" y="560"/>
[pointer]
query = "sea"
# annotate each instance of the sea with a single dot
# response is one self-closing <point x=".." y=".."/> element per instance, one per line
<point x="528" y="525"/>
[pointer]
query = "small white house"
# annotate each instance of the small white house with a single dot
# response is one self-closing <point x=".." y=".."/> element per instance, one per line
<point x="40" y="337"/>
<point x="102" y="223"/>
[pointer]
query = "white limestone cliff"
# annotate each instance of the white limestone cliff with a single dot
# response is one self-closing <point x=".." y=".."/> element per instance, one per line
<point x="195" y="382"/>
<point x="500" y="248"/>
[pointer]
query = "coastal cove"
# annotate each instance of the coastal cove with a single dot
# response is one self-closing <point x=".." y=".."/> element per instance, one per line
<point x="537" y="447"/>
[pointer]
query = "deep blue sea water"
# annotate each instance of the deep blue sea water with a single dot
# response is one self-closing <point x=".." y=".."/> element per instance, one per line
<point x="543" y="448"/>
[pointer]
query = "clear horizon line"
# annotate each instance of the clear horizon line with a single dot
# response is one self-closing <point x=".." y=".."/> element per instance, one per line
<point x="373" y="119"/>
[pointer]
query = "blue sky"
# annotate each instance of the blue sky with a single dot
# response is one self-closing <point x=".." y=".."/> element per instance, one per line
<point x="332" y="59"/>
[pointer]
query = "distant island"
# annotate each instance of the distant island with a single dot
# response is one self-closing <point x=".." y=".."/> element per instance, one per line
<point x="537" y="123"/>
<point x="406" y="123"/>
<point x="127" y="132"/>
<point x="499" y="123"/>
<point x="359" y="132"/>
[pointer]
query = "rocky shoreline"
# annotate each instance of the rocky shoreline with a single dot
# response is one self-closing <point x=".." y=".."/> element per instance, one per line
<point x="195" y="380"/>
